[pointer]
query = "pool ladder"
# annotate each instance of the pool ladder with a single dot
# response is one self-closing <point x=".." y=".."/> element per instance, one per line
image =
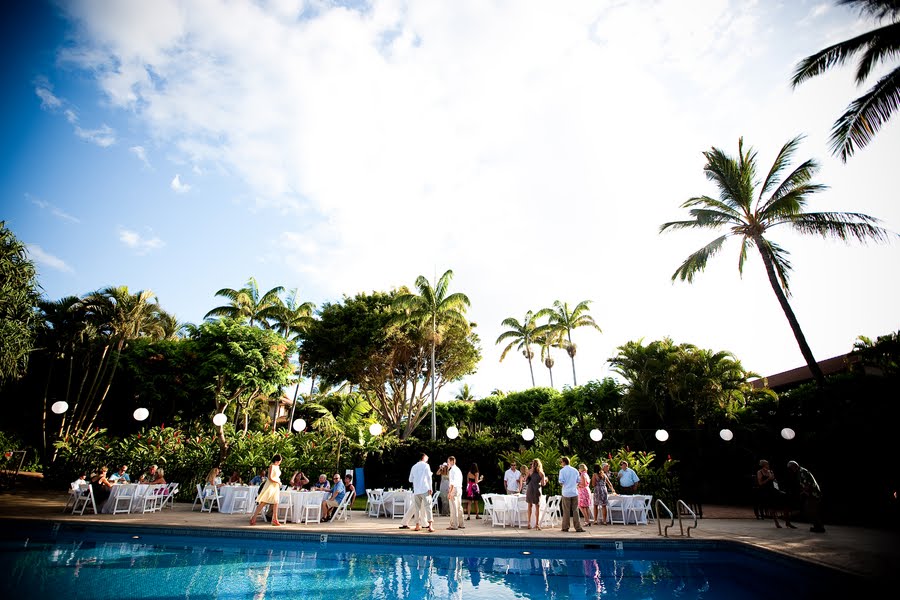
<point x="678" y="505"/>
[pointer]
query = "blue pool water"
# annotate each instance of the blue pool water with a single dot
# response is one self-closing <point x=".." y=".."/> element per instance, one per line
<point x="101" y="564"/>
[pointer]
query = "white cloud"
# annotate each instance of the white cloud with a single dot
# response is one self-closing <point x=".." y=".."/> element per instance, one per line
<point x="179" y="186"/>
<point x="141" y="154"/>
<point x="54" y="210"/>
<point x="45" y="259"/>
<point x="103" y="136"/>
<point x="44" y="91"/>
<point x="141" y="244"/>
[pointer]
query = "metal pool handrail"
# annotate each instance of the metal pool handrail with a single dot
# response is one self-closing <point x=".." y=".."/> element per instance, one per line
<point x="659" y="519"/>
<point x="688" y="510"/>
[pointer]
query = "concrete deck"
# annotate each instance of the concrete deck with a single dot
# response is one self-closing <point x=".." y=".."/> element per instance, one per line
<point x="871" y="553"/>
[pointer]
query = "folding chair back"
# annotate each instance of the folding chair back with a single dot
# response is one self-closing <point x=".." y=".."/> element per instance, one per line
<point x="285" y="510"/>
<point x="84" y="500"/>
<point x="210" y="498"/>
<point x="124" y="499"/>
<point x="343" y="510"/>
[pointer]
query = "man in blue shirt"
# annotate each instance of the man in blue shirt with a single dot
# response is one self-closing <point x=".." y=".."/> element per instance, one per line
<point x="259" y="479"/>
<point x="120" y="474"/>
<point x="568" y="478"/>
<point x="628" y="479"/>
<point x="333" y="501"/>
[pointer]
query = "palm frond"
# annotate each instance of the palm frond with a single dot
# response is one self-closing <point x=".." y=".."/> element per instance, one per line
<point x="781" y="162"/>
<point x="885" y="43"/>
<point x="746" y="242"/>
<point x="865" y="116"/>
<point x="842" y="226"/>
<point x="725" y="172"/>
<point x="790" y="203"/>
<point x="697" y="261"/>
<point x="879" y="9"/>
<point x="821" y="61"/>
<point x="780" y="261"/>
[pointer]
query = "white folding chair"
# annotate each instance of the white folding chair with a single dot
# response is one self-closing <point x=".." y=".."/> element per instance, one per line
<point x="399" y="504"/>
<point x="149" y="502"/>
<point x="241" y="502"/>
<point x="640" y="509"/>
<point x="210" y="498"/>
<point x="312" y="510"/>
<point x="375" y="503"/>
<point x="124" y="499"/>
<point x="74" y="492"/>
<point x="434" y="503"/>
<point x="285" y="510"/>
<point x="344" y="511"/>
<point x="198" y="497"/>
<point x="498" y="509"/>
<point x="85" y="499"/>
<point x="168" y="498"/>
<point x="618" y="507"/>
<point x="520" y="512"/>
<point x="552" y="513"/>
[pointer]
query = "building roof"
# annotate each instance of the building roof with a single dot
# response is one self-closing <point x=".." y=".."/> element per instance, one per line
<point x="794" y="377"/>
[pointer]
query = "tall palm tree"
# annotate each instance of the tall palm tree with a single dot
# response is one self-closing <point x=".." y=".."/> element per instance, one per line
<point x="290" y="319"/>
<point x="549" y="339"/>
<point x="433" y="308"/>
<point x="563" y="321"/>
<point x="750" y="216"/>
<point x="865" y="115"/>
<point x="465" y="394"/>
<point x="247" y="305"/>
<point x="521" y="336"/>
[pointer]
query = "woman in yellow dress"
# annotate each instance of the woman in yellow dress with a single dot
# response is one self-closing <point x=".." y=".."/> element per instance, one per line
<point x="270" y="492"/>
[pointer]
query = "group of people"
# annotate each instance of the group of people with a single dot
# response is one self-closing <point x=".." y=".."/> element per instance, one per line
<point x="102" y="481"/>
<point x="774" y="497"/>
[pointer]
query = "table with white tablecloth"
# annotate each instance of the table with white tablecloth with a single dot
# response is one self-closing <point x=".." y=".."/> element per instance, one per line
<point x="227" y="495"/>
<point x="301" y="498"/>
<point x="399" y="495"/>
<point x="137" y="502"/>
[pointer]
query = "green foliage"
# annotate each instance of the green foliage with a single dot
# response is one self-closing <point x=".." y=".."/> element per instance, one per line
<point x="882" y="354"/>
<point x="18" y="300"/>
<point x="519" y="410"/>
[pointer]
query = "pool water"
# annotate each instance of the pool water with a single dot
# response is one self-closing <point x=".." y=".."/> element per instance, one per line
<point x="96" y="564"/>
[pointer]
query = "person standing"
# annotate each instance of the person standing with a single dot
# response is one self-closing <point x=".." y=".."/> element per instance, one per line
<point x="584" y="493"/>
<point x="568" y="478"/>
<point x="602" y="487"/>
<point x="512" y="479"/>
<point x="270" y="492"/>
<point x="772" y="499"/>
<point x="535" y="480"/>
<point x="443" y="493"/>
<point x="454" y="493"/>
<point x="628" y="479"/>
<point x="473" y="491"/>
<point x="811" y="493"/>
<point x="420" y="478"/>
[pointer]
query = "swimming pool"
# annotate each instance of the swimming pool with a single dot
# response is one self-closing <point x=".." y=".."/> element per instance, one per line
<point x="97" y="562"/>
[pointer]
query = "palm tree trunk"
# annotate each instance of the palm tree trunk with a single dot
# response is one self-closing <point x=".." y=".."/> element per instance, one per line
<point x="551" y="376"/>
<point x="530" y="368"/>
<point x="789" y="313"/>
<point x="433" y="342"/>
<point x="296" y="393"/>
<point x="572" y="357"/>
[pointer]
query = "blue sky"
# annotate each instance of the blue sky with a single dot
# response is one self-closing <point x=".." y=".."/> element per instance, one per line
<point x="532" y="147"/>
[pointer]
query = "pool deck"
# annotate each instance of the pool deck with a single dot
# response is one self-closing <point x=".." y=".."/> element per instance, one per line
<point x="871" y="553"/>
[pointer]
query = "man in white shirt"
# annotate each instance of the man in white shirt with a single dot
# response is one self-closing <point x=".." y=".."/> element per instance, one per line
<point x="420" y="478"/>
<point x="512" y="479"/>
<point x="568" y="478"/>
<point x="455" y="494"/>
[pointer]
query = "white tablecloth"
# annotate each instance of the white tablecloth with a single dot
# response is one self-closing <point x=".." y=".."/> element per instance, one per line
<point x="137" y="503"/>
<point x="624" y="501"/>
<point x="400" y="494"/>
<point x="227" y="493"/>
<point x="301" y="498"/>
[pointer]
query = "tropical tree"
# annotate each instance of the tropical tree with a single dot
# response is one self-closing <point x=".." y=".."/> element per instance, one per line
<point x="289" y="319"/>
<point x="563" y="321"/>
<point x="521" y="336"/>
<point x="18" y="299"/>
<point x="434" y="309"/>
<point x="549" y="339"/>
<point x="247" y="305"/>
<point x="465" y="394"/>
<point x="750" y="216"/>
<point x="868" y="113"/>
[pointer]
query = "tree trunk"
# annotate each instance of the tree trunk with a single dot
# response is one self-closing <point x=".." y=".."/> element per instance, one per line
<point x="530" y="368"/>
<point x="570" y="350"/>
<point x="789" y="313"/>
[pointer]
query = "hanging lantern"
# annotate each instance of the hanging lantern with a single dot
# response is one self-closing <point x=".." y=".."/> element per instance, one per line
<point x="662" y="435"/>
<point x="141" y="414"/>
<point x="788" y="433"/>
<point x="220" y="419"/>
<point x="452" y="432"/>
<point x="596" y="435"/>
<point x="299" y="425"/>
<point x="726" y="435"/>
<point x="59" y="407"/>
<point x="527" y="434"/>
<point x="376" y="429"/>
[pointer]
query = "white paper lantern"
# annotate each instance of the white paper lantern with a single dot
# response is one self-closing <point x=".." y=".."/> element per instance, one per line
<point x="452" y="432"/>
<point x="662" y="435"/>
<point x="596" y="435"/>
<point x="59" y="407"/>
<point x="220" y="419"/>
<point x="726" y="435"/>
<point x="527" y="434"/>
<point x="141" y="414"/>
<point x="299" y="425"/>
<point x="788" y="433"/>
<point x="376" y="429"/>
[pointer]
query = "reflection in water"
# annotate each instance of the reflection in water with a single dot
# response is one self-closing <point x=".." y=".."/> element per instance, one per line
<point x="249" y="569"/>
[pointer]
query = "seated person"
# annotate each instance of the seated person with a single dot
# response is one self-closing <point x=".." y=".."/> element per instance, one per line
<point x="299" y="480"/>
<point x="259" y="479"/>
<point x="120" y="476"/>
<point x="322" y="483"/>
<point x="101" y="485"/>
<point x="332" y="501"/>
<point x="235" y="478"/>
<point x="160" y="478"/>
<point x="213" y="478"/>
<point x="348" y="485"/>
<point x="76" y="485"/>
<point x="149" y="476"/>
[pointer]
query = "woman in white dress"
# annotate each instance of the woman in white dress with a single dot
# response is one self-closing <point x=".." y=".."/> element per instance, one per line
<point x="270" y="491"/>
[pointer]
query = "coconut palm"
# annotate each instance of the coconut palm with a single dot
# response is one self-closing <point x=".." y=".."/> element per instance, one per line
<point x="292" y="316"/>
<point x="247" y="305"/>
<point x="465" y="394"/>
<point x="748" y="215"/>
<point x="435" y="309"/>
<point x="865" y="115"/>
<point x="563" y="321"/>
<point x="547" y="340"/>
<point x="521" y="336"/>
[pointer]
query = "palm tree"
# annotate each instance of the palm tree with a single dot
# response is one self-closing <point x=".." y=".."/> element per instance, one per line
<point x="247" y="305"/>
<point x="290" y="319"/>
<point x="865" y="115"/>
<point x="522" y="336"/>
<point x="563" y="321"/>
<point x="778" y="203"/>
<point x="435" y="309"/>
<point x="549" y="339"/>
<point x="465" y="394"/>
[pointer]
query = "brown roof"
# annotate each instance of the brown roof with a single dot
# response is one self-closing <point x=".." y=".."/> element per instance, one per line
<point x="829" y="366"/>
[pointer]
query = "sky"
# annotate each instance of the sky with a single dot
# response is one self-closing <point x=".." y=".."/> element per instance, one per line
<point x="533" y="147"/>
